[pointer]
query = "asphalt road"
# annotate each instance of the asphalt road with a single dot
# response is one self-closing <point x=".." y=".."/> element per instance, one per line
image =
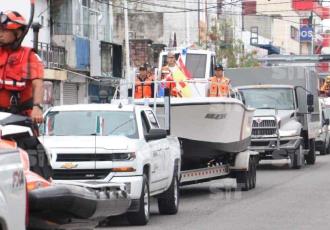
<point x="284" y="199"/>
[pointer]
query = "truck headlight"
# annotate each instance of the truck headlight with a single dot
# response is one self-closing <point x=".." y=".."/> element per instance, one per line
<point x="123" y="156"/>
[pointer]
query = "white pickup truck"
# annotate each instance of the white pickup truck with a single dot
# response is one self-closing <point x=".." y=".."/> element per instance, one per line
<point x="12" y="188"/>
<point x="116" y="143"/>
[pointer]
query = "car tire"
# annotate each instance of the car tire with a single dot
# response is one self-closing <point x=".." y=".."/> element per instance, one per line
<point x="168" y="202"/>
<point x="142" y="216"/>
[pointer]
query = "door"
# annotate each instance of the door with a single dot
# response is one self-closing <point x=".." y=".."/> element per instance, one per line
<point x="70" y="93"/>
<point x="158" y="175"/>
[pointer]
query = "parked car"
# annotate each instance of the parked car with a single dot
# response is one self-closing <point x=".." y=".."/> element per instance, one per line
<point x="116" y="143"/>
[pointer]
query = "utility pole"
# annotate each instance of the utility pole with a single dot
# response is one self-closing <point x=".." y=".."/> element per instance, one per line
<point x="207" y="22"/>
<point x="313" y="29"/>
<point x="199" y="19"/>
<point x="187" y="22"/>
<point x="127" y="75"/>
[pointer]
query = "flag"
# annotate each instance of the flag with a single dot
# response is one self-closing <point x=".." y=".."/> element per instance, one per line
<point x="184" y="68"/>
<point x="99" y="126"/>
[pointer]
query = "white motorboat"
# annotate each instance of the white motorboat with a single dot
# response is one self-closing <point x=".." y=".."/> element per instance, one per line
<point x="208" y="126"/>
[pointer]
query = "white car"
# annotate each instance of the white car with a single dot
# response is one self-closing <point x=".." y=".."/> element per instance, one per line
<point x="12" y="189"/>
<point x="116" y="143"/>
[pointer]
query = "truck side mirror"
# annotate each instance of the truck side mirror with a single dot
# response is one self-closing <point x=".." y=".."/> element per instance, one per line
<point x="310" y="100"/>
<point x="155" y="134"/>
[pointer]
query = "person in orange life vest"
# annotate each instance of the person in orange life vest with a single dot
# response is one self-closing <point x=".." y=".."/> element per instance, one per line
<point x="219" y="84"/>
<point x="21" y="70"/>
<point x="143" y="84"/>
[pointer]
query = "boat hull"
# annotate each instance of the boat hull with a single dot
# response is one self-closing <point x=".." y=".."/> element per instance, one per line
<point x="208" y="127"/>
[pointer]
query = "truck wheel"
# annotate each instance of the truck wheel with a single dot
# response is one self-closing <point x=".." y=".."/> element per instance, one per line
<point x="297" y="158"/>
<point x="254" y="171"/>
<point x="311" y="157"/>
<point x="245" y="179"/>
<point x="328" y="149"/>
<point x="168" y="202"/>
<point x="142" y="216"/>
<point x="324" y="149"/>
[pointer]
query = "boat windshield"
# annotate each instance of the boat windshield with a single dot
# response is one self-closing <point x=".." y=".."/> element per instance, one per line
<point x="195" y="63"/>
<point x="84" y="123"/>
<point x="269" y="98"/>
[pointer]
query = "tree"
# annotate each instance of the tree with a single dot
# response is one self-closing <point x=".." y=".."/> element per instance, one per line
<point x="229" y="48"/>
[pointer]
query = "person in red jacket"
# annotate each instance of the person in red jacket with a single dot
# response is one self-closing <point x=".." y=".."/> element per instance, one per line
<point x="21" y="70"/>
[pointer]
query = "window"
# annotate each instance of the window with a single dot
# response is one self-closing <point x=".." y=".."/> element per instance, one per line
<point x="294" y="33"/>
<point x="196" y="64"/>
<point x="89" y="23"/>
<point x="106" y="59"/>
<point x="249" y="7"/>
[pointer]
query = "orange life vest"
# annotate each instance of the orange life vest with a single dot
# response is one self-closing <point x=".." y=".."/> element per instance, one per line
<point x="219" y="87"/>
<point x="143" y="89"/>
<point x="17" y="70"/>
<point x="14" y="69"/>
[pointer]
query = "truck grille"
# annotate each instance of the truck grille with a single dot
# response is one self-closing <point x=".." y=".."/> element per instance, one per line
<point x="80" y="174"/>
<point x="263" y="128"/>
<point x="262" y="132"/>
<point x="264" y="124"/>
<point x="66" y="157"/>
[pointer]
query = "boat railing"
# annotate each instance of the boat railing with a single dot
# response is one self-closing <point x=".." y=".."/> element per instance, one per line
<point x="185" y="88"/>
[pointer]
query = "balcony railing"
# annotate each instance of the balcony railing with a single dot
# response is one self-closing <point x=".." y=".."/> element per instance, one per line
<point x="52" y="56"/>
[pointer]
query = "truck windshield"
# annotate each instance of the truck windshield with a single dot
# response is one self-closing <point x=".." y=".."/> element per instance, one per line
<point x="84" y="123"/>
<point x="271" y="98"/>
<point x="327" y="113"/>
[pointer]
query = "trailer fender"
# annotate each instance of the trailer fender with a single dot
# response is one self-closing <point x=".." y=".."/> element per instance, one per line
<point x="242" y="160"/>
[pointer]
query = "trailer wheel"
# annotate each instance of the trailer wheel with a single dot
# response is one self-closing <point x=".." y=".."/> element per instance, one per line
<point x="311" y="156"/>
<point x="141" y="217"/>
<point x="168" y="202"/>
<point x="245" y="179"/>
